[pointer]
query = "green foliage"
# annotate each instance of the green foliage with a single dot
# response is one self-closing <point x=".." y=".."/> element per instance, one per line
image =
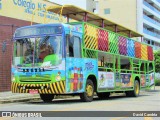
<point x="157" y="82"/>
<point x="157" y="61"/>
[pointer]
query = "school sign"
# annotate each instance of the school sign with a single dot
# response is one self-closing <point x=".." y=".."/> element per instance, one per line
<point x="28" y="10"/>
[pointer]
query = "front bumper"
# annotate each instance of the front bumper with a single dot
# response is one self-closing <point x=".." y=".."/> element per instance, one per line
<point x="42" y="88"/>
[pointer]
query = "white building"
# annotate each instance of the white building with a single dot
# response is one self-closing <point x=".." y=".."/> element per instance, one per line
<point x="149" y="21"/>
<point x="85" y="4"/>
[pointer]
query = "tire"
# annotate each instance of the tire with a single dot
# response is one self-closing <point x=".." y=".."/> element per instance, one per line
<point x="135" y="92"/>
<point x="87" y="96"/>
<point x="47" y="97"/>
<point x="103" y="95"/>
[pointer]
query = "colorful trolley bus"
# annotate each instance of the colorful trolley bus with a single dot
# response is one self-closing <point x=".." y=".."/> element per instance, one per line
<point x="83" y="58"/>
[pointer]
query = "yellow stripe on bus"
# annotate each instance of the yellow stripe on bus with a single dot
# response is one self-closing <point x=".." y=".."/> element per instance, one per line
<point x="61" y="83"/>
<point x="49" y="91"/>
<point x="21" y="89"/>
<point x="15" y="88"/>
<point x="43" y="91"/>
<point x="55" y="88"/>
<point x="59" y="88"/>
<point x="52" y="88"/>
<point x="46" y="91"/>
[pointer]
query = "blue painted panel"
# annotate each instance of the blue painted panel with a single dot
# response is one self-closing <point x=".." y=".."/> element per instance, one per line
<point x="75" y="30"/>
<point x="77" y="71"/>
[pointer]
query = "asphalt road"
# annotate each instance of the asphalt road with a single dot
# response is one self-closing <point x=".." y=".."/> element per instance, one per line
<point x="147" y="101"/>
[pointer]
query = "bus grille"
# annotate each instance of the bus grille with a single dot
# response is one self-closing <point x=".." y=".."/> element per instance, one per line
<point x="35" y="79"/>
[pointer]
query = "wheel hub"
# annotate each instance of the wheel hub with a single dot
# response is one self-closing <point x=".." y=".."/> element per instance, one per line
<point x="137" y="88"/>
<point x="89" y="90"/>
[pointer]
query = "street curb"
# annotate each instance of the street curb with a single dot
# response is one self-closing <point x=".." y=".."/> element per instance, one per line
<point x="29" y="99"/>
<point x="38" y="98"/>
<point x="18" y="100"/>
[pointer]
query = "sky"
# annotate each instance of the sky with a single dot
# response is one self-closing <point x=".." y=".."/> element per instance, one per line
<point x="79" y="3"/>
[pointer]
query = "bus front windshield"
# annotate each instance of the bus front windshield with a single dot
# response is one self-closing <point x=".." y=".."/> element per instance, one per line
<point x="43" y="51"/>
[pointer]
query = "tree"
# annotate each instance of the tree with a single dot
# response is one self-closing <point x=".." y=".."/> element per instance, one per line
<point x="157" y="61"/>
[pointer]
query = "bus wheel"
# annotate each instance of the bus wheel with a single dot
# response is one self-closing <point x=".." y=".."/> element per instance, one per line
<point x="103" y="95"/>
<point x="135" y="92"/>
<point x="47" y="97"/>
<point x="87" y="96"/>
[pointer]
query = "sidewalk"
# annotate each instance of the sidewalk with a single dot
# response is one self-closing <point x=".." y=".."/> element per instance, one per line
<point x="9" y="97"/>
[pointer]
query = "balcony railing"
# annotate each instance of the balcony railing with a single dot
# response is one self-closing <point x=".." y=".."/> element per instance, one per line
<point x="151" y="33"/>
<point x="151" y="20"/>
<point x="151" y="7"/>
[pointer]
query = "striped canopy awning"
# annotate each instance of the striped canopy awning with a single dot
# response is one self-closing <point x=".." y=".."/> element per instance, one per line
<point x="80" y="14"/>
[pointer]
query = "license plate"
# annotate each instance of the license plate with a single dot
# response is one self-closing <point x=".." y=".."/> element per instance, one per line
<point x="33" y="91"/>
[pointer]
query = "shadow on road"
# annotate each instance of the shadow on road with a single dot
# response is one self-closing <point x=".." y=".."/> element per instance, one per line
<point x="75" y="100"/>
<point x="57" y="101"/>
<point x="143" y="95"/>
<point x="153" y="91"/>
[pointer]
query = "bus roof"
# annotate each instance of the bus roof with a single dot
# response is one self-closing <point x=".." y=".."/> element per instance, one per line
<point x="78" y="14"/>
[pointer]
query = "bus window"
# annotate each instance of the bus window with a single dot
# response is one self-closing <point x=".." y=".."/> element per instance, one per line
<point x="125" y="63"/>
<point x="142" y="68"/>
<point x="150" y="67"/>
<point x="77" y="47"/>
<point x="69" y="46"/>
<point x="106" y="61"/>
<point x="73" y="46"/>
<point x="101" y="61"/>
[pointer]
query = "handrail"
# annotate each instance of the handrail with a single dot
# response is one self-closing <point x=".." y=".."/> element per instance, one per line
<point x="61" y="13"/>
<point x="45" y="14"/>
<point x="34" y="14"/>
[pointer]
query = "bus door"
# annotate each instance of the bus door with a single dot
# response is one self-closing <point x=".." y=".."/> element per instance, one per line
<point x="74" y="63"/>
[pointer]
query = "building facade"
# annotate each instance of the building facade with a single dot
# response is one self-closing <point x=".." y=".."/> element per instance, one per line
<point x="139" y="15"/>
<point x="14" y="14"/>
<point x="120" y="11"/>
<point x="150" y="25"/>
